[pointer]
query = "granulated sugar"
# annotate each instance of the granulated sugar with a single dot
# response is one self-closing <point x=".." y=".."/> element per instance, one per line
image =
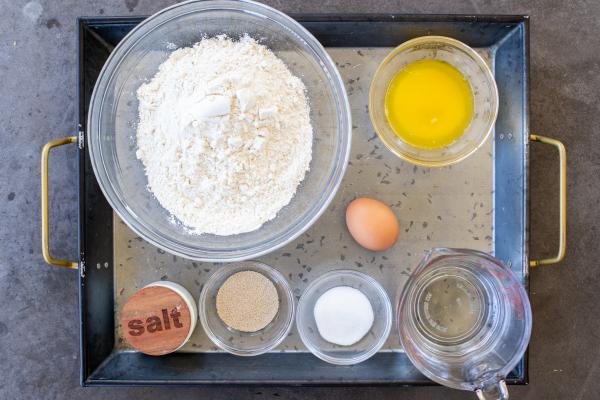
<point x="343" y="315"/>
<point x="224" y="135"/>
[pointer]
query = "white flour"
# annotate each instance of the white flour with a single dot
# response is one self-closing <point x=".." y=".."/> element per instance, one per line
<point x="224" y="134"/>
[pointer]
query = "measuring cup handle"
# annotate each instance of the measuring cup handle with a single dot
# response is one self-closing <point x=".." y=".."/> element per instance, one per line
<point x="495" y="391"/>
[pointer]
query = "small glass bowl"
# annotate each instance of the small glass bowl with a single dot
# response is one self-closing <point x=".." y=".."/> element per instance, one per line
<point x="246" y="343"/>
<point x="474" y="69"/>
<point x="370" y="343"/>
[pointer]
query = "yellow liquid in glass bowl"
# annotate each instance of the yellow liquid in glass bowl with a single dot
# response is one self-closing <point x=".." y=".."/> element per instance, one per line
<point x="429" y="104"/>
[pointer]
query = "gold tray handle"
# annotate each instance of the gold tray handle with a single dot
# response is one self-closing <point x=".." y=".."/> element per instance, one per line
<point x="45" y="218"/>
<point x="562" y="243"/>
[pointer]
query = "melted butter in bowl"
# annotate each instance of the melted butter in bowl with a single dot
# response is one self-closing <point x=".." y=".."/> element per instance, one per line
<point x="429" y="104"/>
<point x="433" y="101"/>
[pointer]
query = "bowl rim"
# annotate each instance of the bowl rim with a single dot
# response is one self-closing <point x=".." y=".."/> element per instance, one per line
<point x="229" y="270"/>
<point x="388" y="314"/>
<point x="174" y="246"/>
<point x="476" y="57"/>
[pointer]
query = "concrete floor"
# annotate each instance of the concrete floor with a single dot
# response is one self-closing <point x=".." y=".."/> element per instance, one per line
<point x="39" y="329"/>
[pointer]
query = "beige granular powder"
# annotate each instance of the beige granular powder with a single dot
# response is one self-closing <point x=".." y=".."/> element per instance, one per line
<point x="247" y="301"/>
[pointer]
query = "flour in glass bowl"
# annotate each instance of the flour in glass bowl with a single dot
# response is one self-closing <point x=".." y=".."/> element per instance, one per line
<point x="224" y="134"/>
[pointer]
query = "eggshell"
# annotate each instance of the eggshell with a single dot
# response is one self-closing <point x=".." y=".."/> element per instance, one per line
<point x="372" y="223"/>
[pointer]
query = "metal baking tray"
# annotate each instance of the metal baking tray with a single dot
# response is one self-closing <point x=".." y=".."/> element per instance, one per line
<point x="479" y="203"/>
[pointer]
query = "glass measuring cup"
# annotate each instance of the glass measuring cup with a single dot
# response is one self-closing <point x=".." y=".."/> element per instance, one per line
<point x="464" y="320"/>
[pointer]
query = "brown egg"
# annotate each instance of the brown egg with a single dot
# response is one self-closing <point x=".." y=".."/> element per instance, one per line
<point x="372" y="223"/>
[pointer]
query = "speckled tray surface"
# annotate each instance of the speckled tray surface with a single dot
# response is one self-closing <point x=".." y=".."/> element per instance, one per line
<point x="479" y="203"/>
<point x="448" y="207"/>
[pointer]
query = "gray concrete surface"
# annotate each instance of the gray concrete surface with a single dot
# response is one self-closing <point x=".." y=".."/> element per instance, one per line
<point x="38" y="326"/>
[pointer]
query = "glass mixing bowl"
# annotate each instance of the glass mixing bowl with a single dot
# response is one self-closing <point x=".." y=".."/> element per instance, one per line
<point x="474" y="69"/>
<point x="113" y="116"/>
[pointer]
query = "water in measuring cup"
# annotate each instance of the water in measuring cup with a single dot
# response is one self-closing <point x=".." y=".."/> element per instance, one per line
<point x="464" y="320"/>
<point x="455" y="306"/>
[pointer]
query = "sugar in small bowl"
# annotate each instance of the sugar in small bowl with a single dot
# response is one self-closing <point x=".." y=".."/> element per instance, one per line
<point x="344" y="317"/>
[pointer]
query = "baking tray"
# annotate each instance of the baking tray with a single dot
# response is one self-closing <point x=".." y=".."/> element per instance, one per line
<point x="484" y="208"/>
